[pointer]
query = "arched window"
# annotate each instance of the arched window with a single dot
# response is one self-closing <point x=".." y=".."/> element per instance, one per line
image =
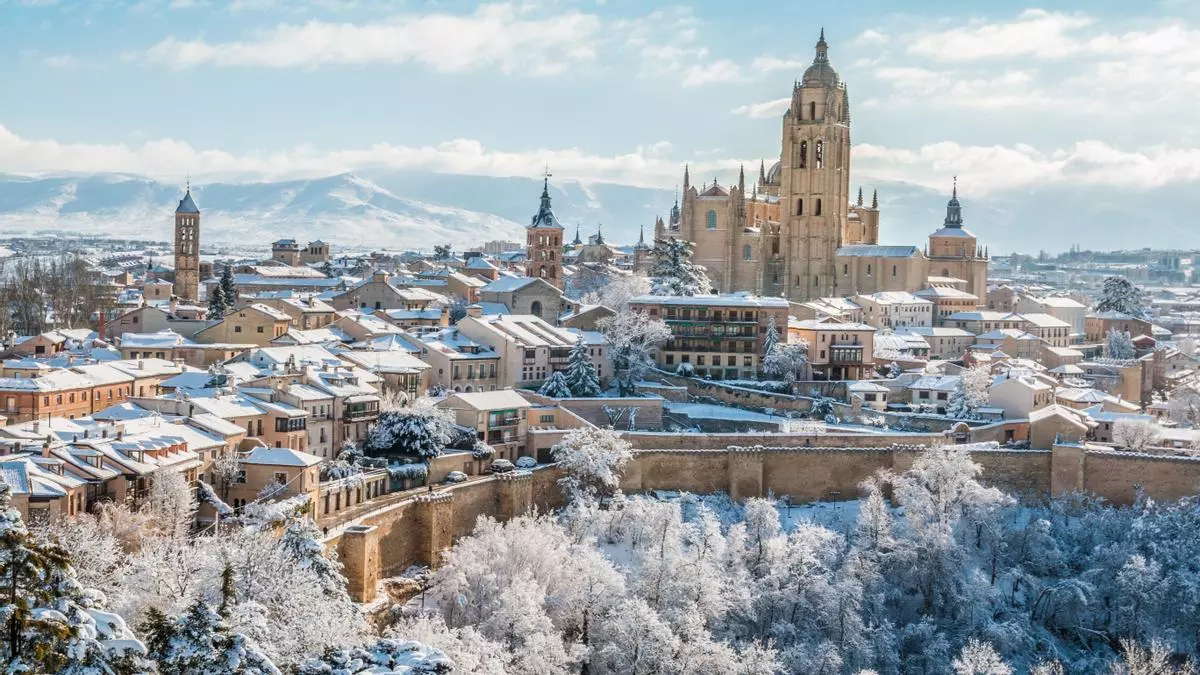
<point x="803" y="159"/>
<point x="535" y="308"/>
<point x="868" y="269"/>
<point x="893" y="270"/>
<point x="799" y="207"/>
<point x="845" y="270"/>
<point x="746" y="253"/>
<point x="820" y="154"/>
<point x="818" y="211"/>
<point x="542" y="272"/>
<point x="710" y="220"/>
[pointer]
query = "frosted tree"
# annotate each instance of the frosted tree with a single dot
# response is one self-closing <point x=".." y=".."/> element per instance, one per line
<point x="592" y="459"/>
<point x="618" y="292"/>
<point x="581" y="372"/>
<point x="1120" y="295"/>
<point x="1183" y="405"/>
<point x="633" y="338"/>
<point x="672" y="271"/>
<point x="787" y="361"/>
<point x="771" y="337"/>
<point x="200" y="642"/>
<point x="421" y="429"/>
<point x="216" y="302"/>
<point x="555" y="386"/>
<point x="1136" y="435"/>
<point x="171" y="504"/>
<point x="384" y="656"/>
<point x="980" y="658"/>
<point x="1119" y="345"/>
<point x="93" y="548"/>
<point x="970" y="394"/>
<point x="52" y="624"/>
<point x="228" y="290"/>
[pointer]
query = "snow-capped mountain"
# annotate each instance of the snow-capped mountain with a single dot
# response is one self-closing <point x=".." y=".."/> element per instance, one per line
<point x="409" y="209"/>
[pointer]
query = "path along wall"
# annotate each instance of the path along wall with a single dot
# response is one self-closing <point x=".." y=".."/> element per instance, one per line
<point x="418" y="529"/>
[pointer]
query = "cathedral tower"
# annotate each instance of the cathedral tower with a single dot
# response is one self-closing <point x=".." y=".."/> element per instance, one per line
<point x="544" y="242"/>
<point x="187" y="249"/>
<point x="814" y="191"/>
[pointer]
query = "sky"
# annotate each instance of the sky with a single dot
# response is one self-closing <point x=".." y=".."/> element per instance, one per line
<point x="1004" y="95"/>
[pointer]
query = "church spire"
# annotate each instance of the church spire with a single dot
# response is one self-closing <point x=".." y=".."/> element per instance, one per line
<point x="875" y="199"/>
<point x="762" y="172"/>
<point x="687" y="178"/>
<point x="545" y="215"/>
<point x="954" y="217"/>
<point x="578" y="241"/>
<point x="860" y="196"/>
<point x="742" y="179"/>
<point x="642" y="236"/>
<point x="599" y="234"/>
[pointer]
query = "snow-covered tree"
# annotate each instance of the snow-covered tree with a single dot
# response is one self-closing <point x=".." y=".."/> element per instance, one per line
<point x="771" y="337"/>
<point x="787" y="361"/>
<point x="632" y="338"/>
<point x="421" y="429"/>
<point x="327" y="269"/>
<point x="685" y="369"/>
<point x="50" y="623"/>
<point x="216" y="302"/>
<point x="617" y="292"/>
<point x="555" y="386"/>
<point x="581" y="372"/>
<point x="402" y="657"/>
<point x="171" y="504"/>
<point x="1120" y="295"/>
<point x="970" y="394"/>
<point x="200" y="642"/>
<point x="1135" y="435"/>
<point x="672" y="271"/>
<point x="1183" y="405"/>
<point x="92" y="546"/>
<point x="980" y="658"/>
<point x="592" y="459"/>
<point x="1119" y="345"/>
<point x="228" y="290"/>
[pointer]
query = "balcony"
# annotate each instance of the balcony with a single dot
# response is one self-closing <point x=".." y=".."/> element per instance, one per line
<point x="506" y="436"/>
<point x="360" y="412"/>
<point x="504" y="421"/>
<point x="846" y="356"/>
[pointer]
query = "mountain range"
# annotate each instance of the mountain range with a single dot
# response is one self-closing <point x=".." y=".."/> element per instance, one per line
<point x="416" y="210"/>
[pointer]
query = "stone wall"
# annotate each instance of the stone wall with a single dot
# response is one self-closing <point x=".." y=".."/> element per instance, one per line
<point x="1116" y="476"/>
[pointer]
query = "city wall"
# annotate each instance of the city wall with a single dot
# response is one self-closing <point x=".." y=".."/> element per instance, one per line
<point x="417" y="529"/>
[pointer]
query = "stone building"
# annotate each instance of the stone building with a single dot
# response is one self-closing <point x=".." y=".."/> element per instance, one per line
<point x="795" y="233"/>
<point x="187" y="249"/>
<point x="286" y="251"/>
<point x="544" y="243"/>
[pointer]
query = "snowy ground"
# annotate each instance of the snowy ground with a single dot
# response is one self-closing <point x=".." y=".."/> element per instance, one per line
<point x="720" y="412"/>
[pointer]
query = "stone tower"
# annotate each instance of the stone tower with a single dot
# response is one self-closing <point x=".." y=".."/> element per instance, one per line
<point x="187" y="249"/>
<point x="954" y="251"/>
<point x="814" y="191"/>
<point x="641" y="251"/>
<point x="544" y="242"/>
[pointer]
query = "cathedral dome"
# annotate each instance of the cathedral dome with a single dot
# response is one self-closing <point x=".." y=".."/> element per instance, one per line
<point x="773" y="176"/>
<point x="820" y="73"/>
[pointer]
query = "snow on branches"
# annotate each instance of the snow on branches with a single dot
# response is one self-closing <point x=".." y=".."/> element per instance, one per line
<point x="673" y="272"/>
<point x="633" y="337"/>
<point x="421" y="429"/>
<point x="593" y="459"/>
<point x="1120" y="295"/>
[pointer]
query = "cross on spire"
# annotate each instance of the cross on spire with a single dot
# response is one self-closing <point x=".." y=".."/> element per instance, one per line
<point x="956" y="187"/>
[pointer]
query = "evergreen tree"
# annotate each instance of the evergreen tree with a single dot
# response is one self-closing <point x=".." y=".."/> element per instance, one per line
<point x="216" y="302"/>
<point x="422" y="429"/>
<point x="228" y="290"/>
<point x="673" y="272"/>
<point x="581" y="372"/>
<point x="327" y="269"/>
<point x="555" y="386"/>
<point x="301" y="543"/>
<point x="1120" y="295"/>
<point x="771" y="337"/>
<point x="51" y="624"/>
<point x="201" y="643"/>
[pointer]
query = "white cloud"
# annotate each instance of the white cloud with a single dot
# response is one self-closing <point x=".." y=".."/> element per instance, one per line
<point x="762" y="110"/>
<point x="770" y="64"/>
<point x="495" y="35"/>
<point x="870" y="37"/>
<point x="61" y="61"/>
<point x="981" y="169"/>
<point x="722" y="70"/>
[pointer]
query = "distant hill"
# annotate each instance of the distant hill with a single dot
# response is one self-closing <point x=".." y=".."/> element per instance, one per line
<point x="409" y="209"/>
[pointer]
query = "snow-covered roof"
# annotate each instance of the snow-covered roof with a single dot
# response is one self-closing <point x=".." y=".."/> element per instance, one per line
<point x="938" y="331"/>
<point x="723" y="300"/>
<point x="508" y="284"/>
<point x="875" y="251"/>
<point x="936" y="382"/>
<point x="501" y="399"/>
<point x="281" y="457"/>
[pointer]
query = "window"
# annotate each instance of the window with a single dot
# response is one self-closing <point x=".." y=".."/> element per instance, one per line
<point x="746" y="252"/>
<point x="893" y="270"/>
<point x="241" y="476"/>
<point x="845" y="270"/>
<point x="799" y="207"/>
<point x="260" y="329"/>
<point x="818" y="211"/>
<point x="710" y="220"/>
<point x="868" y="269"/>
<point x="802" y="160"/>
<point x="819" y="155"/>
<point x="812" y="110"/>
<point x="281" y="478"/>
<point x="237" y="329"/>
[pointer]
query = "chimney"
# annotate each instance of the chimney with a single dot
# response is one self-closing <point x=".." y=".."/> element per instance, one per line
<point x="474" y="311"/>
<point x="141" y="364"/>
<point x="46" y="448"/>
<point x="174" y="303"/>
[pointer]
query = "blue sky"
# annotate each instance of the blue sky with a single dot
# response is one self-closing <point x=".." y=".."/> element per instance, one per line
<point x="1004" y="94"/>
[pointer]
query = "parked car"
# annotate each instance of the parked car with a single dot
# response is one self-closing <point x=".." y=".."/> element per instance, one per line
<point x="526" y="462"/>
<point x="456" y="477"/>
<point x="502" y="466"/>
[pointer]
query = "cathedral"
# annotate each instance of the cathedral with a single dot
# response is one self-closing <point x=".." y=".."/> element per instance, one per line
<point x="794" y="233"/>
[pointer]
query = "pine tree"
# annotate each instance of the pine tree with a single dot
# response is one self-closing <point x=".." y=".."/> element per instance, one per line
<point x="216" y="302"/>
<point x="673" y="272"/>
<point x="1120" y="295"/>
<point x="555" y="386"/>
<point x="581" y="372"/>
<point x="228" y="290"/>
<point x="771" y="337"/>
<point x="1119" y="345"/>
<point x="421" y="429"/>
<point x="201" y="643"/>
<point x="51" y="624"/>
<point x="301" y="543"/>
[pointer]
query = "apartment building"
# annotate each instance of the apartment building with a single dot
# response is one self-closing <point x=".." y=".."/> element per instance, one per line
<point x="720" y="335"/>
<point x="837" y="350"/>
<point x="531" y="349"/>
<point x="459" y="364"/>
<point x="500" y="418"/>
<point x="947" y="344"/>
<point x="255" y="324"/>
<point x="947" y="301"/>
<point x="895" y="310"/>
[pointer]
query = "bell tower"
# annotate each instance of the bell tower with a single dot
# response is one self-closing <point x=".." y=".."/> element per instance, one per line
<point x="815" y="179"/>
<point x="544" y="242"/>
<point x="187" y="249"/>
